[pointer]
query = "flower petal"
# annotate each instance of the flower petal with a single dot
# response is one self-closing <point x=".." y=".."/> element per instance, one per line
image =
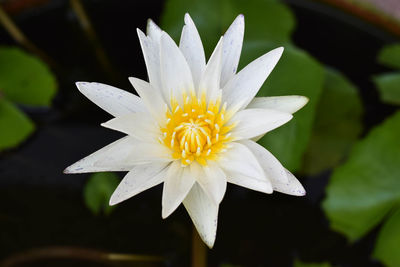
<point x="233" y="40"/>
<point x="244" y="86"/>
<point x="192" y="48"/>
<point x="153" y="30"/>
<point x="263" y="186"/>
<point x="151" y="98"/>
<point x="177" y="185"/>
<point x="204" y="214"/>
<point x="113" y="157"/>
<point x="145" y="152"/>
<point x="289" y="104"/>
<point x="271" y="166"/>
<point x="292" y="187"/>
<point x="175" y="72"/>
<point x="115" y="101"/>
<point x="254" y="122"/>
<point x="151" y="53"/>
<point x="239" y="159"/>
<point x="212" y="179"/>
<point x="139" y="179"/>
<point x="139" y="125"/>
<point x="209" y="83"/>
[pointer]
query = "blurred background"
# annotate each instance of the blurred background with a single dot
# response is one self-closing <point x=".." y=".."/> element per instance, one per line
<point x="344" y="146"/>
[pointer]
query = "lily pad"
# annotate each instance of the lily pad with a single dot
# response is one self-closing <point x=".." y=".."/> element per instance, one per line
<point x="389" y="87"/>
<point x="363" y="190"/>
<point x="24" y="79"/>
<point x="298" y="263"/>
<point x="98" y="191"/>
<point x="15" y="126"/>
<point x="387" y="245"/>
<point x="336" y="127"/>
<point x="390" y="56"/>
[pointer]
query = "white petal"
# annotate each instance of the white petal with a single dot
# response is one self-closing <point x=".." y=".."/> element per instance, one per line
<point x="139" y="125"/>
<point x="238" y="161"/>
<point x="233" y="40"/>
<point x="289" y="104"/>
<point x="210" y="80"/>
<point x="139" y="179"/>
<point x="175" y="72"/>
<point x="177" y="185"/>
<point x="151" y="53"/>
<point x="115" y="101"/>
<point x="145" y="152"/>
<point x="212" y="180"/>
<point x="192" y="48"/>
<point x="153" y="30"/>
<point x="204" y="214"/>
<point x="151" y="98"/>
<point x="263" y="186"/>
<point x="273" y="169"/>
<point x="245" y="85"/>
<point x="292" y="187"/>
<point x="113" y="157"/>
<point x="254" y="122"/>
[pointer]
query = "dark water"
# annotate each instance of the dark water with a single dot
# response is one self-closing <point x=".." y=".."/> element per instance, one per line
<point x="42" y="207"/>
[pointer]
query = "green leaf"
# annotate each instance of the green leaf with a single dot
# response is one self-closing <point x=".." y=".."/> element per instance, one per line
<point x="15" y="126"/>
<point x="297" y="73"/>
<point x="298" y="263"/>
<point x="98" y="191"/>
<point x="387" y="245"/>
<point x="24" y="79"/>
<point x="389" y="87"/>
<point x="266" y="19"/>
<point x="390" y="56"/>
<point x="336" y="127"/>
<point x="362" y="191"/>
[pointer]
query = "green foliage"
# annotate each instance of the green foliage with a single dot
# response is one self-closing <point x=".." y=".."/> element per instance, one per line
<point x="387" y="245"/>
<point x="337" y="126"/>
<point x="269" y="25"/>
<point x="298" y="263"/>
<point x="389" y="87"/>
<point x="98" y="191"/>
<point x="15" y="126"/>
<point x="390" y="56"/>
<point x="362" y="191"/>
<point x="24" y="79"/>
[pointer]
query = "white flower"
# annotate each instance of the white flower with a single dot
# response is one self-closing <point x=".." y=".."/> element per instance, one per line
<point x="193" y="124"/>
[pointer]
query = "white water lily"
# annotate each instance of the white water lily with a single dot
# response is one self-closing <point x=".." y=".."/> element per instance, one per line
<point x="193" y="126"/>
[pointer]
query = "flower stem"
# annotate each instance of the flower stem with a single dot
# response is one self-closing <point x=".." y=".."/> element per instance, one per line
<point x="199" y="250"/>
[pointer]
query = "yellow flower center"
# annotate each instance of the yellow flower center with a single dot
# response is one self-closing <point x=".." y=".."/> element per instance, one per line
<point x="196" y="131"/>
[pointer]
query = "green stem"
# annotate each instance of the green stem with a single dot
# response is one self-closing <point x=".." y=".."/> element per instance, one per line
<point x="199" y="250"/>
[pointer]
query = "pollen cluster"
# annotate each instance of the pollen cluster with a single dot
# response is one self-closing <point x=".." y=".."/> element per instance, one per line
<point x="195" y="130"/>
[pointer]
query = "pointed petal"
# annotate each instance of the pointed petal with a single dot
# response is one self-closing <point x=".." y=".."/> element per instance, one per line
<point x="239" y="162"/>
<point x="289" y="104"/>
<point x="210" y="80"/>
<point x="254" y="122"/>
<point x="139" y="125"/>
<point x="151" y="98"/>
<point x="263" y="186"/>
<point x="292" y="187"/>
<point x="113" y="157"/>
<point x="177" y="185"/>
<point x="139" y="179"/>
<point x="245" y="85"/>
<point x="204" y="214"/>
<point x="145" y="152"/>
<point x="212" y="179"/>
<point x="151" y="53"/>
<point x="233" y="40"/>
<point x="153" y="30"/>
<point x="192" y="48"/>
<point x="271" y="165"/>
<point x="115" y="101"/>
<point x="175" y="72"/>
